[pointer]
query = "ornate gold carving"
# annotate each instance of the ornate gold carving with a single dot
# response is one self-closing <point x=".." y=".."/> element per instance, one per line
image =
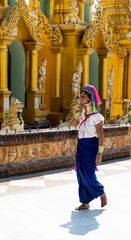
<point x="72" y="17"/>
<point x="12" y="154"/>
<point x="2" y="155"/>
<point x="41" y="80"/>
<point x="57" y="37"/>
<point x="31" y="21"/>
<point x="35" y="21"/>
<point x="14" y="120"/>
<point x="75" y="104"/>
<point x="109" y="83"/>
<point x="126" y="117"/>
<point x="53" y="33"/>
<point x="36" y="151"/>
<point x="111" y="40"/>
<point x="44" y="150"/>
<point x="42" y="75"/>
<point x="10" y="21"/>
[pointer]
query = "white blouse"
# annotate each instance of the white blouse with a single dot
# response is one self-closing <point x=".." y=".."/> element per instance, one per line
<point x="88" y="129"/>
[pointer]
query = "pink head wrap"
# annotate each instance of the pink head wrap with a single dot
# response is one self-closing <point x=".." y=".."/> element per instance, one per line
<point x="96" y="101"/>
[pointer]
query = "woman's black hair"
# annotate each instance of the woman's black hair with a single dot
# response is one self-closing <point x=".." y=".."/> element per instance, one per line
<point x="87" y="93"/>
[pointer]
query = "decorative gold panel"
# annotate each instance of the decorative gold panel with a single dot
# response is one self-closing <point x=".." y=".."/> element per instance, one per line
<point x="111" y="40"/>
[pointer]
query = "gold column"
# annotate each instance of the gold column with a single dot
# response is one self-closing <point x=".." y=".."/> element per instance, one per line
<point x="129" y="76"/>
<point x="58" y="10"/>
<point x="66" y="4"/>
<point x="56" y="100"/>
<point x="4" y="92"/>
<point x="127" y="69"/>
<point x="61" y="7"/>
<point x="84" y="55"/>
<point x="105" y="76"/>
<point x="56" y="17"/>
<point x="85" y="69"/>
<point x="81" y="10"/>
<point x="51" y="9"/>
<point x="120" y="79"/>
<point x="33" y="49"/>
<point x="34" y="70"/>
<point x="33" y="112"/>
<point x="118" y="90"/>
<point x="3" y="67"/>
<point x="58" y="74"/>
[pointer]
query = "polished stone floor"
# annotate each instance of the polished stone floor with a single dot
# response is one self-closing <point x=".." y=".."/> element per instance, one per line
<point x="42" y="206"/>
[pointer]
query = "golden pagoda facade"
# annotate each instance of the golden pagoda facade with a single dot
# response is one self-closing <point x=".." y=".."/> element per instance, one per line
<point x="41" y="45"/>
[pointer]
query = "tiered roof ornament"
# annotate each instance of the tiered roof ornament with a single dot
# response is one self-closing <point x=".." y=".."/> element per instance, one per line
<point x="111" y="40"/>
<point x="35" y="21"/>
<point x="53" y="32"/>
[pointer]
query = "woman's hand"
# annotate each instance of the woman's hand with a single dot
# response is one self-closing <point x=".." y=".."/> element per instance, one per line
<point x="98" y="158"/>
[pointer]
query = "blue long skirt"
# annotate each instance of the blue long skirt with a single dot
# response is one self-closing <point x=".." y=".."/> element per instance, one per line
<point x="89" y="187"/>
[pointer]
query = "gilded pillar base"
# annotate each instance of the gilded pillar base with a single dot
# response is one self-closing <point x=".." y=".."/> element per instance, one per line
<point x="55" y="118"/>
<point x="4" y="108"/>
<point x="117" y="109"/>
<point x="56" y="104"/>
<point x="34" y="111"/>
<point x="56" y="110"/>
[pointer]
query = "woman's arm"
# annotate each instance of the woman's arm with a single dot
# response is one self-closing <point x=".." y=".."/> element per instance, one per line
<point x="100" y="134"/>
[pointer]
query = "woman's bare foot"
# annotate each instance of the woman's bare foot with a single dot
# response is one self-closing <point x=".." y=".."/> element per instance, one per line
<point x="83" y="206"/>
<point x="103" y="200"/>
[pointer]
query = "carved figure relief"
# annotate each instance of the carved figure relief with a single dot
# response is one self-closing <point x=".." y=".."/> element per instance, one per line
<point x="41" y="79"/>
<point x="126" y="117"/>
<point x="109" y="83"/>
<point x="72" y="17"/>
<point x="76" y="82"/>
<point x="14" y="120"/>
<point x="42" y="75"/>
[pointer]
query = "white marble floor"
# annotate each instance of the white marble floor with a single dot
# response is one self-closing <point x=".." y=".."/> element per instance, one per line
<point x="41" y="206"/>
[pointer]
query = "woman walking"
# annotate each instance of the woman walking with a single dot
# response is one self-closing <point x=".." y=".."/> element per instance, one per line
<point x="89" y="147"/>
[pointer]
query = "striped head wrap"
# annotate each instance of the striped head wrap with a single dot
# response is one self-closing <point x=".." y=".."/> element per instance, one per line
<point x="95" y="99"/>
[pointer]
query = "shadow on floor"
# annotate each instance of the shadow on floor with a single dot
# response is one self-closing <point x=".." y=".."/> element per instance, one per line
<point x="82" y="222"/>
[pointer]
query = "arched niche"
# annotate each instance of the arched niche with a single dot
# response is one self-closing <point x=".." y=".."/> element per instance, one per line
<point x="93" y="69"/>
<point x="16" y="70"/>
